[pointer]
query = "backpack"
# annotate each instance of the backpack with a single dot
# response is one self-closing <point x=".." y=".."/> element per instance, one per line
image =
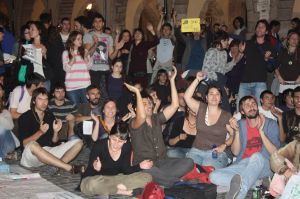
<point x="188" y="190"/>
<point x="153" y="191"/>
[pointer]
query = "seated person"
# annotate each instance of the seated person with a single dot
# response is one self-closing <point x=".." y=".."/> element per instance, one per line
<point x="291" y="119"/>
<point x="182" y="135"/>
<point x="291" y="153"/>
<point x="162" y="87"/>
<point x="21" y="96"/>
<point x="39" y="137"/>
<point x="287" y="103"/>
<point x="211" y="123"/>
<point x="157" y="102"/>
<point x="63" y="109"/>
<point x="267" y="108"/>
<point x="8" y="141"/>
<point x="256" y="137"/>
<point x="147" y="140"/>
<point x="109" y="170"/>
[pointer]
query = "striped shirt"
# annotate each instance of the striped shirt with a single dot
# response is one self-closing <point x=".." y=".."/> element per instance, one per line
<point x="60" y="112"/>
<point x="77" y="75"/>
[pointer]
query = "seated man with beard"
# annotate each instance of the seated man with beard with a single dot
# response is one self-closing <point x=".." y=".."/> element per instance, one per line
<point x="256" y="137"/>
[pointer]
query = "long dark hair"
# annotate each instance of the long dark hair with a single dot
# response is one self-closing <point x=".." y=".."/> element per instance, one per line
<point x="39" y="27"/>
<point x="220" y="35"/>
<point x="70" y="44"/>
<point x="122" y="33"/>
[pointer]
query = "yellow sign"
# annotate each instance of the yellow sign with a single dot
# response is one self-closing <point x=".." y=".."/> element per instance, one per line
<point x="190" y="25"/>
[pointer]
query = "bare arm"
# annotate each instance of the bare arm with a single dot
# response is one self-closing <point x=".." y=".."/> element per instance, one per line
<point x="188" y="95"/>
<point x="268" y="144"/>
<point x="14" y="113"/>
<point x="236" y="144"/>
<point x="158" y="29"/>
<point x="95" y="133"/>
<point x="140" y="110"/>
<point x="43" y="129"/>
<point x="172" y="108"/>
<point x="81" y="118"/>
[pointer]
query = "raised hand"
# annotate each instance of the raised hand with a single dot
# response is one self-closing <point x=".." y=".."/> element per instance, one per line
<point x="97" y="164"/>
<point x="173" y="74"/>
<point x="267" y="55"/>
<point x="150" y="27"/>
<point x="94" y="117"/>
<point x="131" y="88"/>
<point x="261" y="122"/>
<point x="57" y="124"/>
<point x="119" y="45"/>
<point x="234" y="124"/>
<point x="182" y="136"/>
<point x="200" y="76"/>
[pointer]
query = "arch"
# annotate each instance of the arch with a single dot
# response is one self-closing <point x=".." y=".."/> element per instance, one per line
<point x="37" y="8"/>
<point x="80" y="5"/>
<point x="296" y="9"/>
<point x="133" y="12"/>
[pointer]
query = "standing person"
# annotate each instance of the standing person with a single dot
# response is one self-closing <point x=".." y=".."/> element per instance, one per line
<point x="256" y="137"/>
<point x="137" y="63"/>
<point x="123" y="54"/>
<point x="147" y="140"/>
<point x="101" y="49"/>
<point x="109" y="170"/>
<point x="115" y="80"/>
<point x="39" y="64"/>
<point x="239" y="29"/>
<point x="215" y="64"/>
<point x="80" y="24"/>
<point x="211" y="123"/>
<point x="288" y="72"/>
<point x="259" y="59"/>
<point x="76" y="63"/>
<point x="39" y="133"/>
<point x="165" y="48"/>
<point x="56" y="47"/>
<point x="21" y="69"/>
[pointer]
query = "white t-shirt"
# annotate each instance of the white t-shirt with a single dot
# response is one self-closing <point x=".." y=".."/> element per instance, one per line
<point x="268" y="114"/>
<point x="14" y="102"/>
<point x="100" y="56"/>
<point x="164" y="50"/>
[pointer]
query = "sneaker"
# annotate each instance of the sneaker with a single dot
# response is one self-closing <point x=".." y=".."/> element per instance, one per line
<point x="235" y="186"/>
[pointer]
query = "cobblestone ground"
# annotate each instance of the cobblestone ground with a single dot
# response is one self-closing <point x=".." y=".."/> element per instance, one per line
<point x="70" y="182"/>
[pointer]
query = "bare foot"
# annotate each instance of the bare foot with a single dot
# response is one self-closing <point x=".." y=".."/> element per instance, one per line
<point x="122" y="190"/>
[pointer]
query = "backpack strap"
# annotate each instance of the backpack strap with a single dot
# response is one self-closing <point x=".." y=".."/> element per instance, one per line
<point x="22" y="93"/>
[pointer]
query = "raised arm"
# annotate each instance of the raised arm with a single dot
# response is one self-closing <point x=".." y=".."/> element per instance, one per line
<point x="172" y="108"/>
<point x="140" y="110"/>
<point x="188" y="95"/>
<point x="158" y="29"/>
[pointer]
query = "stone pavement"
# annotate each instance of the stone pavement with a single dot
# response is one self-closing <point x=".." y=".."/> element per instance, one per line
<point x="70" y="182"/>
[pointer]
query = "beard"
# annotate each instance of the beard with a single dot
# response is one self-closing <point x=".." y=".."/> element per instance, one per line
<point x="94" y="102"/>
<point x="249" y="116"/>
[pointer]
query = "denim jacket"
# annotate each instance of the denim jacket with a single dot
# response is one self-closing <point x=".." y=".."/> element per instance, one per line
<point x="270" y="129"/>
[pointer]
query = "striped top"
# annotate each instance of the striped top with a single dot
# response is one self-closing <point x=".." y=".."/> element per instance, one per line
<point x="61" y="112"/>
<point x="77" y="75"/>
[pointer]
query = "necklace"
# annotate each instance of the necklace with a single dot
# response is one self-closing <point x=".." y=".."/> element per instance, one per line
<point x="292" y="56"/>
<point x="36" y="117"/>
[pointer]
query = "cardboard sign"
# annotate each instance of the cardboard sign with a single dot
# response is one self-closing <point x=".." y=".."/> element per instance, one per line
<point x="190" y="25"/>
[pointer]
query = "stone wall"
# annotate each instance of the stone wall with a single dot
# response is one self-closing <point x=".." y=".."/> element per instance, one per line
<point x="120" y="12"/>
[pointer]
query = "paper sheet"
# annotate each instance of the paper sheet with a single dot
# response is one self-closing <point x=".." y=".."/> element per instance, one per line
<point x="87" y="127"/>
<point x="58" y="195"/>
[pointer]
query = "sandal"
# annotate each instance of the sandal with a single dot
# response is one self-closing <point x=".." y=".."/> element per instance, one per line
<point x="78" y="169"/>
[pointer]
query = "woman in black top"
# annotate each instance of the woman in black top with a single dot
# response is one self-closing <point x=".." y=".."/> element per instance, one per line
<point x="182" y="135"/>
<point x="109" y="170"/>
<point x="288" y="72"/>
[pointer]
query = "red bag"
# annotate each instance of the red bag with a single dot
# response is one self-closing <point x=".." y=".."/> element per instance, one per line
<point x="153" y="191"/>
<point x="196" y="175"/>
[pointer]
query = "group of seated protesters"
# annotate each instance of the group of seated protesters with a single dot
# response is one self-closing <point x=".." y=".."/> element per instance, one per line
<point x="128" y="152"/>
<point x="157" y="133"/>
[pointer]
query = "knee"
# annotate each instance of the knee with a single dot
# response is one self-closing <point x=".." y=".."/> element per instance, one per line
<point x="189" y="163"/>
<point x="213" y="177"/>
<point x="258" y="159"/>
<point x="35" y="147"/>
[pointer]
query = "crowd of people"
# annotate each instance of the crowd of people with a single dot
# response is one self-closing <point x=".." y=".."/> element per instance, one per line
<point x="150" y="105"/>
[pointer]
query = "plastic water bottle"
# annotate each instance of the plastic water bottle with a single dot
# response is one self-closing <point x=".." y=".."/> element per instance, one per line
<point x="4" y="168"/>
<point x="214" y="153"/>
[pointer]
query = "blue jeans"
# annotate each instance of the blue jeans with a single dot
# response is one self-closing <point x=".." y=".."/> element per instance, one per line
<point x="177" y="152"/>
<point x="254" y="88"/>
<point x="204" y="158"/>
<point x="7" y="143"/>
<point x="77" y="96"/>
<point x="250" y="169"/>
<point x="47" y="85"/>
